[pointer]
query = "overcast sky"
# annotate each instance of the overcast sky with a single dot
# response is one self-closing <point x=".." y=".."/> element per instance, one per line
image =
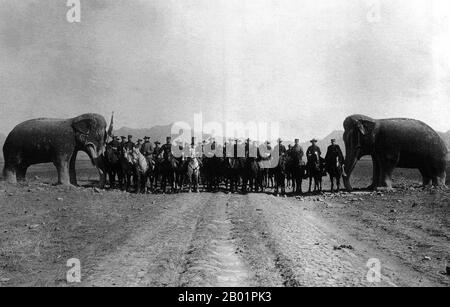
<point x="305" y="64"/>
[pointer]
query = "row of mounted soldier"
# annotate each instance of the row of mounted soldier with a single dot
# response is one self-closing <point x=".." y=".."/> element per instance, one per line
<point x="236" y="165"/>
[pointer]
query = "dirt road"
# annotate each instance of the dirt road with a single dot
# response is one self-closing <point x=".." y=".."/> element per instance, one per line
<point x="246" y="240"/>
<point x="222" y="239"/>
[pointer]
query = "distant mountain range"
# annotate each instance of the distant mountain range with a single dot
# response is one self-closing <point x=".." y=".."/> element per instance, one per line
<point x="159" y="133"/>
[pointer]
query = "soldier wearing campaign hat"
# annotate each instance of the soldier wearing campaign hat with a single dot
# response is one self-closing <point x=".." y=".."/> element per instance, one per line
<point x="313" y="149"/>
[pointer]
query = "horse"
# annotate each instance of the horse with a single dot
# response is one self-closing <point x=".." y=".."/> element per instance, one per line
<point x="141" y="168"/>
<point x="213" y="171"/>
<point x="234" y="168"/>
<point x="296" y="172"/>
<point x="111" y="160"/>
<point x="127" y="168"/>
<point x="316" y="169"/>
<point x="335" y="170"/>
<point x="171" y="170"/>
<point x="193" y="173"/>
<point x="280" y="173"/>
<point x="252" y="175"/>
<point x="179" y="166"/>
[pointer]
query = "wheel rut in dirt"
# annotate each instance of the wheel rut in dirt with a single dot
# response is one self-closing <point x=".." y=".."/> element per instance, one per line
<point x="155" y="255"/>
<point x="212" y="258"/>
<point x="260" y="250"/>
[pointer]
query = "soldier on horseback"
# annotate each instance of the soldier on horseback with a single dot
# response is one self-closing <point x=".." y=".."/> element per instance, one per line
<point x="166" y="149"/>
<point x="129" y="145"/>
<point x="156" y="149"/>
<point x="122" y="143"/>
<point x="297" y="151"/>
<point x="281" y="148"/>
<point x="147" y="148"/>
<point x="115" y="144"/>
<point x="313" y="150"/>
<point x="138" y="145"/>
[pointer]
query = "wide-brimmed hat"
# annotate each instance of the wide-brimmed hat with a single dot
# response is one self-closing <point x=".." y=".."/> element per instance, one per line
<point x="333" y="140"/>
<point x="146" y="138"/>
<point x="313" y="141"/>
<point x="157" y="142"/>
<point x="123" y="137"/>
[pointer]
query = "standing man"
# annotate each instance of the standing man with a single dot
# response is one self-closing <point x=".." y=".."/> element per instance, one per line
<point x="147" y="148"/>
<point x="334" y="151"/>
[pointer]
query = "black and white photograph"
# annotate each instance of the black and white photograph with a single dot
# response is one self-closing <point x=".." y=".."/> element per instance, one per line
<point x="224" y="148"/>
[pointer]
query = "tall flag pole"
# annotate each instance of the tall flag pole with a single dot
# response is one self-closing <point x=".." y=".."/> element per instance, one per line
<point x="111" y="125"/>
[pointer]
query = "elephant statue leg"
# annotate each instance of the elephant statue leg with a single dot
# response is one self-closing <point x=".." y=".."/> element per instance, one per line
<point x="388" y="164"/>
<point x="72" y="171"/>
<point x="62" y="167"/>
<point x="21" y="172"/>
<point x="10" y="174"/>
<point x="440" y="180"/>
<point x="426" y="178"/>
<point x="376" y="177"/>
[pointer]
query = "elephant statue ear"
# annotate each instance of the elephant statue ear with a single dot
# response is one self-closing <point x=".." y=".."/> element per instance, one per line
<point x="365" y="126"/>
<point x="82" y="126"/>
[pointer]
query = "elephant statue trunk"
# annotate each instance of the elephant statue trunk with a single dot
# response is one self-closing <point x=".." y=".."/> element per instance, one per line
<point x="351" y="159"/>
<point x="95" y="155"/>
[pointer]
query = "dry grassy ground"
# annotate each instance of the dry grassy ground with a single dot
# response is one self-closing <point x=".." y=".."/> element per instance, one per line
<point x="222" y="239"/>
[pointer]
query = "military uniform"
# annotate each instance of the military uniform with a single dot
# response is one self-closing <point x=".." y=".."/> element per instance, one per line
<point x="333" y="152"/>
<point x="297" y="152"/>
<point x="122" y="143"/>
<point x="166" y="150"/>
<point x="156" y="150"/>
<point x="281" y="149"/>
<point x="312" y="150"/>
<point x="147" y="149"/>
<point x="115" y="144"/>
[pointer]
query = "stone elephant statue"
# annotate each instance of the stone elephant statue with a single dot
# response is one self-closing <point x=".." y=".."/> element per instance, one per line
<point x="58" y="141"/>
<point x="399" y="142"/>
